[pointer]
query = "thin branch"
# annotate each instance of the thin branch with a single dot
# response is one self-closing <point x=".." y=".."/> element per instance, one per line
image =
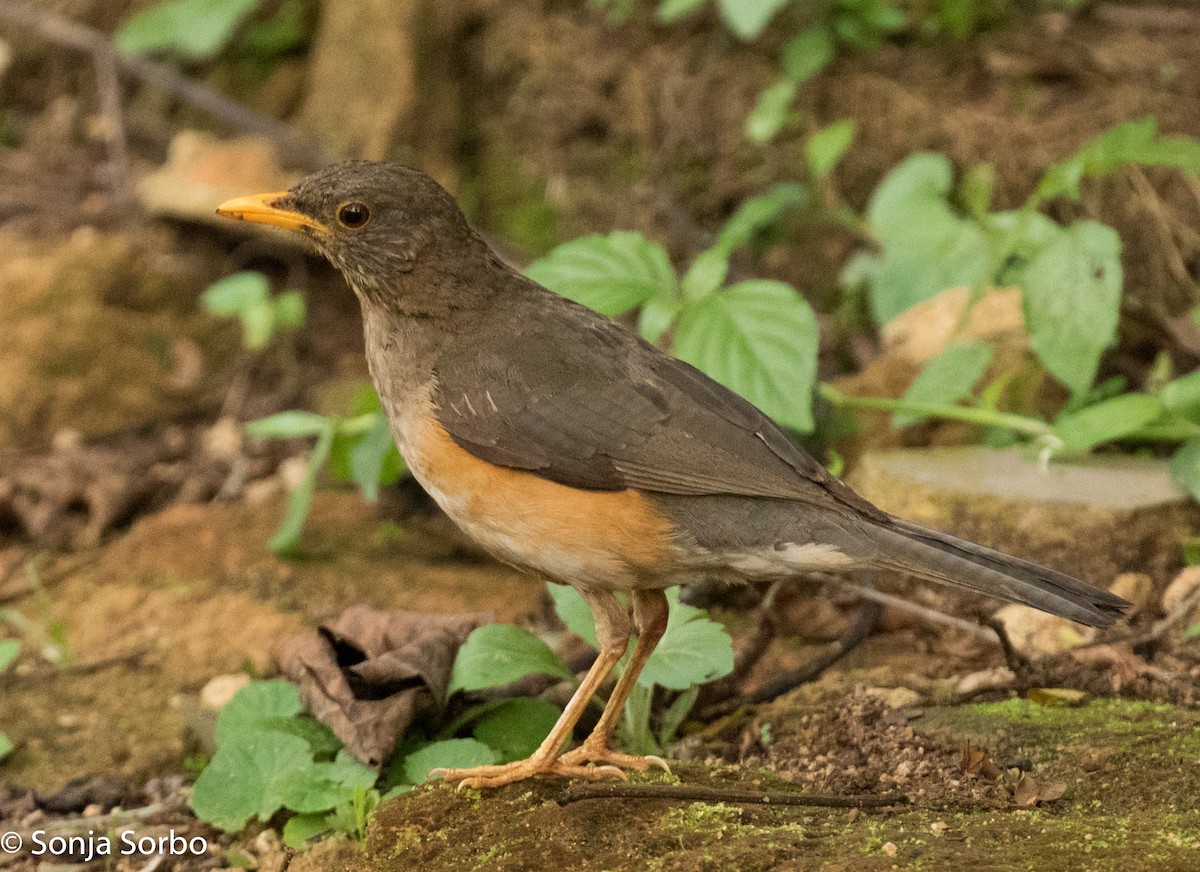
<point x="928" y="614"/>
<point x="577" y="792"/>
<point x="295" y="148"/>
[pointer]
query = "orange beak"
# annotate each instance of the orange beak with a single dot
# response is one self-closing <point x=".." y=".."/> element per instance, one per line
<point x="264" y="209"/>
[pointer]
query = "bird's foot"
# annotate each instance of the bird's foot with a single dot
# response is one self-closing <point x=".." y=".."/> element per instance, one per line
<point x="596" y="752"/>
<point x="519" y="770"/>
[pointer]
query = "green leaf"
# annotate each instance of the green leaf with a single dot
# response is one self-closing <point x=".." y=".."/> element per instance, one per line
<point x="321" y="740"/>
<point x="1135" y="142"/>
<point x="807" y="54"/>
<point x="1072" y="300"/>
<point x="195" y="29"/>
<point x="673" y="10"/>
<point x="1105" y="422"/>
<point x="243" y="717"/>
<point x="302" y="828"/>
<point x="258" y="325"/>
<point x="759" y="339"/>
<point x="656" y="317"/>
<point x="611" y="274"/>
<point x="287" y="538"/>
<point x="976" y="188"/>
<point x="747" y="18"/>
<point x="825" y="148"/>
<point x="926" y="246"/>
<point x="515" y="728"/>
<point x="6" y="745"/>
<point x="676" y="714"/>
<point x="498" y="654"/>
<point x="946" y="379"/>
<point x="244" y="779"/>
<point x="288" y="425"/>
<point x="9" y="649"/>
<point x="693" y="650"/>
<point x="290" y="310"/>
<point x="374" y="459"/>
<point x="708" y="271"/>
<point x="771" y="111"/>
<point x="233" y="294"/>
<point x="322" y="786"/>
<point x="574" y="612"/>
<point x="1185" y="467"/>
<point x="447" y="754"/>
<point x="1182" y="396"/>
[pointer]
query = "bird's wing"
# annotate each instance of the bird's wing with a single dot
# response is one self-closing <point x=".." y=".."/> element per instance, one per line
<point x="579" y="400"/>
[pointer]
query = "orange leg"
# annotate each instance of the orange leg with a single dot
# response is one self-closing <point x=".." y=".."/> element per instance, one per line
<point x="612" y="631"/>
<point x="650" y="612"/>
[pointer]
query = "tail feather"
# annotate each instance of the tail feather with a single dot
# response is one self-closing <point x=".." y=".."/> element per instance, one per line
<point x="940" y="557"/>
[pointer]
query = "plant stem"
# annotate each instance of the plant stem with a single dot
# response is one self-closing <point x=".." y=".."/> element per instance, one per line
<point x="987" y="417"/>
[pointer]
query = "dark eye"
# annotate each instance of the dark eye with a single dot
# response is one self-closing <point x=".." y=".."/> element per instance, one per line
<point x="353" y="215"/>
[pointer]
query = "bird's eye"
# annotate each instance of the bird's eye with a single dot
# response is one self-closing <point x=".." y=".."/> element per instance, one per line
<point x="353" y="215"/>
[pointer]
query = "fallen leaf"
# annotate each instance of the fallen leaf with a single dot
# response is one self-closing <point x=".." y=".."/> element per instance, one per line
<point x="371" y="673"/>
<point x="1028" y="791"/>
<point x="975" y="761"/>
<point x="1057" y="696"/>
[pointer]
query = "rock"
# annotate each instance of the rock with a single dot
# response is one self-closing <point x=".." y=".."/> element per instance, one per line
<point x="1181" y="587"/>
<point x="896" y="697"/>
<point x="1137" y="587"/>
<point x="220" y="690"/>
<point x="996" y="678"/>
<point x="1094" y="518"/>
<point x="202" y="171"/>
<point x="1035" y="633"/>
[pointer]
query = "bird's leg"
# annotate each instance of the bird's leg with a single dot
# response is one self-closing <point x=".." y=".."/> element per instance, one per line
<point x="650" y="612"/>
<point x="612" y="631"/>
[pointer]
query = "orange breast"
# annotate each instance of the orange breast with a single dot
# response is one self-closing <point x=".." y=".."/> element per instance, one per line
<point x="609" y="539"/>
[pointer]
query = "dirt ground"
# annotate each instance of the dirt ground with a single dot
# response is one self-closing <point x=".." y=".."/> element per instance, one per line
<point x="129" y="495"/>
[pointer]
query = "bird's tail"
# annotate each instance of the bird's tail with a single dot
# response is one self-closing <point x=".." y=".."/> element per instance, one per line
<point x="927" y="553"/>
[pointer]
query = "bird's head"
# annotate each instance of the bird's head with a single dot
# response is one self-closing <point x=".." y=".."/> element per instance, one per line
<point x="378" y="223"/>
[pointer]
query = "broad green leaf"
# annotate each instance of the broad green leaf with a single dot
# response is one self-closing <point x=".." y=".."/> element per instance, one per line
<point x="374" y="460"/>
<point x="656" y="317"/>
<point x="9" y="649"/>
<point x="516" y="727"/>
<point x="759" y="339"/>
<point x="1135" y="142"/>
<point x="976" y="188"/>
<point x="1105" y="422"/>
<point x="673" y="10"/>
<point x="574" y="612"/>
<point x="258" y="325"/>
<point x="302" y="828"/>
<point x="771" y="111"/>
<point x="1182" y="396"/>
<point x="747" y="18"/>
<point x="676" y="714"/>
<point x="1072" y="299"/>
<point x="244" y="779"/>
<point x="693" y="650"/>
<point x="288" y="425"/>
<point x="946" y="379"/>
<point x="194" y="29"/>
<point x="1185" y="467"/>
<point x="825" y="148"/>
<point x="498" y="654"/>
<point x="286" y="31"/>
<point x="611" y="274"/>
<point x="6" y="745"/>
<point x="926" y="246"/>
<point x="287" y="538"/>
<point x="243" y="717"/>
<point x="708" y="271"/>
<point x="447" y="754"/>
<point x="807" y="54"/>
<point x="321" y="740"/>
<point x="234" y="294"/>
<point x="323" y="786"/>
<point x="290" y="309"/>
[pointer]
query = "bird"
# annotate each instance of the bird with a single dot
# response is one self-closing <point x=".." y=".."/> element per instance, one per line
<point x="569" y="447"/>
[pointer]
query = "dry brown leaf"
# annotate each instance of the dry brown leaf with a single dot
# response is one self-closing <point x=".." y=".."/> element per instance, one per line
<point x="976" y="761"/>
<point x="1028" y="791"/>
<point x="371" y="673"/>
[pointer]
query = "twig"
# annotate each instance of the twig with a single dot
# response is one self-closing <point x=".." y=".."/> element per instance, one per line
<point x="928" y="614"/>
<point x="62" y="31"/>
<point x="577" y="792"/>
<point x="1013" y="659"/>
<point x="288" y="854"/>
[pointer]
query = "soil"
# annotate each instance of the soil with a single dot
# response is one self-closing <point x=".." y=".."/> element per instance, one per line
<point x="127" y="491"/>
